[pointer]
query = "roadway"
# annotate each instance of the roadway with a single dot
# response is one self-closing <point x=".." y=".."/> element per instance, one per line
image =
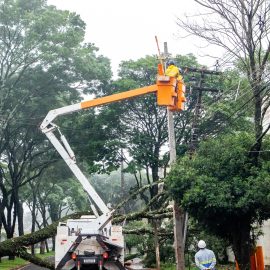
<point x="32" y="266"/>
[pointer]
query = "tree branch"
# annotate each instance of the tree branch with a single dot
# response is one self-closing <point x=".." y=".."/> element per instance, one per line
<point x="14" y="246"/>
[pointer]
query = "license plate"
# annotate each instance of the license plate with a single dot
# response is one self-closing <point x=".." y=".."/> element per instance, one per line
<point x="89" y="261"/>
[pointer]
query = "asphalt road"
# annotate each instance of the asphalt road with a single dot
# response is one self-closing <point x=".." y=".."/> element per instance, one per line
<point x="33" y="267"/>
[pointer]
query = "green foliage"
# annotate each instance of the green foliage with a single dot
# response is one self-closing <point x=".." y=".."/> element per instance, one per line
<point x="147" y="134"/>
<point x="44" y="65"/>
<point x="221" y="180"/>
<point x="56" y="192"/>
<point x="222" y="188"/>
<point x="44" y="62"/>
<point x="167" y="252"/>
<point x="136" y="240"/>
<point x="94" y="139"/>
<point x="145" y="244"/>
<point x="228" y="109"/>
<point x="167" y="266"/>
<point x="166" y="249"/>
<point x="46" y="255"/>
<point x="131" y="256"/>
<point x="135" y="125"/>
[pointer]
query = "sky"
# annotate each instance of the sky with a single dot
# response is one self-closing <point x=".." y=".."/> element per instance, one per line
<point x="126" y="29"/>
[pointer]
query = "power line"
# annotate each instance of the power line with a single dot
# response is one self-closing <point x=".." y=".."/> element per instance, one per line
<point x="240" y="108"/>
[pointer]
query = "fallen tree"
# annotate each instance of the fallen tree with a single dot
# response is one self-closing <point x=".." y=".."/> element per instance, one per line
<point x="158" y="214"/>
<point x="18" y="246"/>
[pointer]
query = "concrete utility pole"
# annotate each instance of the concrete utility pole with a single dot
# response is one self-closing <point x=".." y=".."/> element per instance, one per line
<point x="122" y="172"/>
<point x="178" y="213"/>
<point x="122" y="179"/>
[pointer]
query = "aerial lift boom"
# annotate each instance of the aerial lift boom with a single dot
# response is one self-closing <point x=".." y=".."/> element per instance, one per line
<point x="169" y="92"/>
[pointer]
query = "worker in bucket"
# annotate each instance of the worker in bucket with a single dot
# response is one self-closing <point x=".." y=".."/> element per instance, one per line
<point x="205" y="258"/>
<point x="173" y="71"/>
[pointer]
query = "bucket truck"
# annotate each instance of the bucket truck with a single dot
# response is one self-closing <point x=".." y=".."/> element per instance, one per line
<point x="92" y="242"/>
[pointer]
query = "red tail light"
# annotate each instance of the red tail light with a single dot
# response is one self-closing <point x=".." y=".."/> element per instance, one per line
<point x="73" y="256"/>
<point x="105" y="255"/>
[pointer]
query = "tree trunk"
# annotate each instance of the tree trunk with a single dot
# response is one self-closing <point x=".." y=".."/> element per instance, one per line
<point x="20" y="218"/>
<point x="53" y="243"/>
<point x="47" y="246"/>
<point x="257" y="122"/>
<point x="33" y="215"/>
<point x="242" y="246"/>
<point x="179" y="245"/>
<point x="122" y="174"/>
<point x="155" y="226"/>
<point x="55" y="214"/>
<point x="32" y="249"/>
<point x="35" y="260"/>
<point x="42" y="247"/>
<point x="10" y="222"/>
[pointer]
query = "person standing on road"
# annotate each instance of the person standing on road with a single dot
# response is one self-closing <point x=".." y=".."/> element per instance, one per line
<point x="205" y="258"/>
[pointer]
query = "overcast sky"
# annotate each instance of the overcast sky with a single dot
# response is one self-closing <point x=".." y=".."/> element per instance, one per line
<point x="126" y="29"/>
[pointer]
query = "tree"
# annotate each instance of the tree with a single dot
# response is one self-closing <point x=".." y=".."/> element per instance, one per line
<point x="43" y="65"/>
<point x="143" y="129"/>
<point x="241" y="28"/>
<point x="21" y="157"/>
<point x="225" y="191"/>
<point x="53" y="195"/>
<point x="17" y="245"/>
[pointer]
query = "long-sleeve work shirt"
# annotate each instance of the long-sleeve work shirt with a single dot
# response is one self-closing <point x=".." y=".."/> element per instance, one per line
<point x="205" y="259"/>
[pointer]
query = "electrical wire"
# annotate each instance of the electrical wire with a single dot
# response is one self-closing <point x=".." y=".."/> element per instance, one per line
<point x="77" y="129"/>
<point x="244" y="106"/>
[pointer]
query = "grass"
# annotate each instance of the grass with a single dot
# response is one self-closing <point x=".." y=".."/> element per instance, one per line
<point x="167" y="266"/>
<point x="46" y="255"/>
<point x="7" y="264"/>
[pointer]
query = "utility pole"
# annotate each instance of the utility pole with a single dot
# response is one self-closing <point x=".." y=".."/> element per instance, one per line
<point x="178" y="213"/>
<point x="122" y="172"/>
<point x="198" y="107"/>
<point x="122" y="178"/>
